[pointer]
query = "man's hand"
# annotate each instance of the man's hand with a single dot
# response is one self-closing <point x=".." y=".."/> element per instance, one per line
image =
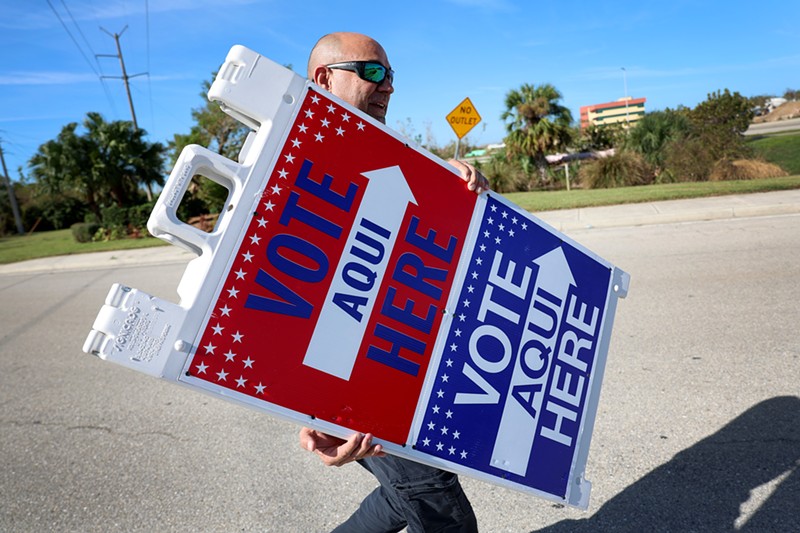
<point x="475" y="180"/>
<point x="335" y="451"/>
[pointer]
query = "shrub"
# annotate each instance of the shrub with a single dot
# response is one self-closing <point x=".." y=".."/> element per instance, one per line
<point x="688" y="159"/>
<point x="622" y="169"/>
<point x="84" y="231"/>
<point x="744" y="169"/>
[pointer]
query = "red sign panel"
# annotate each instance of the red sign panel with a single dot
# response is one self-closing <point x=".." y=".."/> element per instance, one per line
<point x="336" y="293"/>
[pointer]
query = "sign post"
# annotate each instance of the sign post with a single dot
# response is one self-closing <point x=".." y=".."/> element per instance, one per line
<point x="462" y="119"/>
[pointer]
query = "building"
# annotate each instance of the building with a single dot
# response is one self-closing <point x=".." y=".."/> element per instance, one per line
<point x="625" y="110"/>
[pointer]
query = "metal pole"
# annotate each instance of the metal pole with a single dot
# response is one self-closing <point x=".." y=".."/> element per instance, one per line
<point x="458" y="143"/>
<point x="125" y="76"/>
<point x="625" y="81"/>
<point x="12" y="198"/>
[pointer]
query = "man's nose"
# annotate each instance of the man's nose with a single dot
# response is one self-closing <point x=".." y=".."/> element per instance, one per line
<point x="386" y="86"/>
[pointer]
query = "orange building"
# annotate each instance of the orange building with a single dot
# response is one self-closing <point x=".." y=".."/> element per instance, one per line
<point x="625" y="110"/>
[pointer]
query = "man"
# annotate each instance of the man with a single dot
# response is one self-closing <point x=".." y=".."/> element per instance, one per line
<point x="355" y="68"/>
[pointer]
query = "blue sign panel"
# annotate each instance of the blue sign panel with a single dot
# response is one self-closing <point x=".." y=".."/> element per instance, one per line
<point x="514" y="373"/>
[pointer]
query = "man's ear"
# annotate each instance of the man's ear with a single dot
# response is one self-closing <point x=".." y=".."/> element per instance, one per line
<point x="322" y="77"/>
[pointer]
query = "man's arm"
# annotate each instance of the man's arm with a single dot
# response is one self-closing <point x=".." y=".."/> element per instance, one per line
<point x="337" y="452"/>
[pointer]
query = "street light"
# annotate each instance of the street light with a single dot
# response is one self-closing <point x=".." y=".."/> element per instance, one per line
<point x="625" y="81"/>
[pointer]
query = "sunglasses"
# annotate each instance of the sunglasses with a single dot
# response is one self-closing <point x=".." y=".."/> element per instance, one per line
<point x="367" y="70"/>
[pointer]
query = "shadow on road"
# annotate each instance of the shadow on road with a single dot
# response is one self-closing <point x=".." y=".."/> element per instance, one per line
<point x="707" y="487"/>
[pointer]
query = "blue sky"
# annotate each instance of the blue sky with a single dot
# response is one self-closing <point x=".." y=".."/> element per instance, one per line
<point x="442" y="51"/>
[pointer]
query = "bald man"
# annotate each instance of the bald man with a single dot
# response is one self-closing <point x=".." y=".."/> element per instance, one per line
<point x="356" y="68"/>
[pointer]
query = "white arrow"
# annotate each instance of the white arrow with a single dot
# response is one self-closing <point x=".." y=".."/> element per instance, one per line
<point x="512" y="448"/>
<point x="338" y="334"/>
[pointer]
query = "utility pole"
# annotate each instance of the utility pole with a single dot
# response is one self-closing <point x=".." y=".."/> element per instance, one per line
<point x="12" y="198"/>
<point x="124" y="76"/>
<point x="625" y="81"/>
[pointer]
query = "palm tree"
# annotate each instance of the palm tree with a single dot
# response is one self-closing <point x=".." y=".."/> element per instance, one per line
<point x="536" y="124"/>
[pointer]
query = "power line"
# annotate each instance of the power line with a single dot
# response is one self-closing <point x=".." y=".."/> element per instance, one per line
<point x="124" y="76"/>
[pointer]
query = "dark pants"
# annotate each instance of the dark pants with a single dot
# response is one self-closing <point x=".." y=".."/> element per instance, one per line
<point x="425" y="499"/>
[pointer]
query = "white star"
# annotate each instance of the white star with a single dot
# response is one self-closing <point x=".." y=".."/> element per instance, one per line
<point x="282" y="174"/>
<point x="458" y="334"/>
<point x="240" y="382"/>
<point x="431" y="426"/>
<point x="262" y="222"/>
<point x="505" y="214"/>
<point x="444" y="430"/>
<point x="510" y="232"/>
<point x="439" y="446"/>
<point x="222" y="375"/>
<point x="462" y="317"/>
<point x="217" y="329"/>
<point x="260" y="388"/>
<point x="486" y="234"/>
<point x="325" y="122"/>
<point x="451" y="450"/>
<point x="445" y="377"/>
<point x="233" y="292"/>
<point x="229" y="355"/>
<point x="331" y="108"/>
<point x="340" y="132"/>
<point x="466" y="303"/>
<point x="490" y="220"/>
<point x="440" y="393"/>
<point x="276" y="189"/>
<point x="435" y="409"/>
<point x="254" y="239"/>
<point x="296" y="143"/>
<point x="470" y="289"/>
<point x="210" y="348"/>
<point x="474" y="275"/>
<point x="501" y="227"/>
<point x="426" y="441"/>
<point x="456" y="434"/>
<point x="225" y="310"/>
<point x="237" y="337"/>
<point x="463" y="454"/>
<point x="315" y="98"/>
<point x="449" y="362"/>
<point x="248" y="257"/>
<point x="268" y="205"/>
<point x="201" y="368"/>
<point x="497" y="240"/>
<point x="453" y="347"/>
<point x="318" y="136"/>
<point x="479" y="260"/>
<point x="493" y="208"/>
<point x="360" y="126"/>
<point x="483" y="247"/>
<point x="303" y="128"/>
<point x="524" y="225"/>
<point x="289" y="158"/>
<point x="309" y="113"/>
<point x="346" y="117"/>
<point x="449" y="413"/>
<point x="240" y="274"/>
<point x="514" y="220"/>
<point x="248" y="363"/>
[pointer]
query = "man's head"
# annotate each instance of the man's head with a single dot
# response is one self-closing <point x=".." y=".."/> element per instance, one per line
<point x="336" y="48"/>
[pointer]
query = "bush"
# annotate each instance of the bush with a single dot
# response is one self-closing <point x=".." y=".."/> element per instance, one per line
<point x="688" y="159"/>
<point x="622" y="169"/>
<point x="744" y="169"/>
<point x="84" y="231"/>
<point x="504" y="176"/>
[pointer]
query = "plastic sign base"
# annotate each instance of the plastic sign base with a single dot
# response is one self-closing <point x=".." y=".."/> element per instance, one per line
<point x="353" y="283"/>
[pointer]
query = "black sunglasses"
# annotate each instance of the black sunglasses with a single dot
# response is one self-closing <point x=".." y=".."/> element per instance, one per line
<point x="366" y="70"/>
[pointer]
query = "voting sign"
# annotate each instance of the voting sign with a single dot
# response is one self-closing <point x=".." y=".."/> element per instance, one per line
<point x="353" y="283"/>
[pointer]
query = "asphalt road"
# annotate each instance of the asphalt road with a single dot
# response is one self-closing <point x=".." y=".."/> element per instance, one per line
<point x="698" y="427"/>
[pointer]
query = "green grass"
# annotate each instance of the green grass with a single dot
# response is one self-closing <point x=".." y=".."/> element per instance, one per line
<point x="781" y="149"/>
<point x="50" y="243"/>
<point x="551" y="200"/>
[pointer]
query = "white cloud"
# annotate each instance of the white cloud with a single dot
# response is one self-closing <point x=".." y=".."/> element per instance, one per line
<point x="45" y="78"/>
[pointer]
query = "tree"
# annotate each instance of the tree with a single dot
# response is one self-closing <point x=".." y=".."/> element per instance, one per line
<point x="536" y="124"/>
<point x="720" y="122"/>
<point x="111" y="160"/>
<point x="651" y="135"/>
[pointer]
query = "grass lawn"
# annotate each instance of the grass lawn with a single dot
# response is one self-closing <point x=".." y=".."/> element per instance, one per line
<point x="781" y="149"/>
<point x="51" y="243"/>
<point x="60" y="242"/>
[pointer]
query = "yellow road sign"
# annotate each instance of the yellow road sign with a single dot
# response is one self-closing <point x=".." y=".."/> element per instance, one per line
<point x="463" y="118"/>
